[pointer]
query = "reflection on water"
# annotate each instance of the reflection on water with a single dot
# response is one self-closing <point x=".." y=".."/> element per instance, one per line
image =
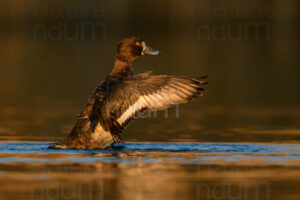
<point x="151" y="171"/>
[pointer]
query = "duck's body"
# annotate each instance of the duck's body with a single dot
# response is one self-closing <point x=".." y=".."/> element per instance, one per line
<point x="123" y="95"/>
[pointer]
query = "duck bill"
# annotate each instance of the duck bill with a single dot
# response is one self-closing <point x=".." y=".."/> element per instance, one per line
<point x="150" y="51"/>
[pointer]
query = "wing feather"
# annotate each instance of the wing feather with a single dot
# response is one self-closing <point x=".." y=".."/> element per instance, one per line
<point x="146" y="92"/>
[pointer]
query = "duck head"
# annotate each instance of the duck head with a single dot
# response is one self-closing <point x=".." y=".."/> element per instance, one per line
<point x="130" y="49"/>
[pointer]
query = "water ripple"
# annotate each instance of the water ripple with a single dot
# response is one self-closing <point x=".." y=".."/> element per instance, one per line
<point x="131" y="153"/>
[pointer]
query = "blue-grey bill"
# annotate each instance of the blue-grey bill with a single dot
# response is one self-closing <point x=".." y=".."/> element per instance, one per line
<point x="149" y="50"/>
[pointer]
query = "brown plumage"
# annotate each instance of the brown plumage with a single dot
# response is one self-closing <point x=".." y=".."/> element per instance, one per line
<point x="122" y="95"/>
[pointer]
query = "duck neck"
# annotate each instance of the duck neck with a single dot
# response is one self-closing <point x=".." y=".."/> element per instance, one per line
<point x="122" y="69"/>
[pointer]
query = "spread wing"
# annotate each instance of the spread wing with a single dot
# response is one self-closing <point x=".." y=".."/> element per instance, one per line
<point x="140" y="93"/>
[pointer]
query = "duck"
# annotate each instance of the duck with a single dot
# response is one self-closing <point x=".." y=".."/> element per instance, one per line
<point x="123" y="95"/>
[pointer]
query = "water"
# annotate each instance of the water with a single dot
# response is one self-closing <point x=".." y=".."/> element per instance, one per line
<point x="150" y="170"/>
<point x="230" y="148"/>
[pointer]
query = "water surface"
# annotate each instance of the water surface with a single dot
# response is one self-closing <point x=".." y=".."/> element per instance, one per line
<point x="151" y="170"/>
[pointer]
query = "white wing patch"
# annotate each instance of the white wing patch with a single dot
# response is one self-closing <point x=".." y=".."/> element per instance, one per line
<point x="138" y="105"/>
<point x="168" y="95"/>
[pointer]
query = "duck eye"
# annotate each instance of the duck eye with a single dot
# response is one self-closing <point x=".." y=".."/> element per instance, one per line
<point x="138" y="43"/>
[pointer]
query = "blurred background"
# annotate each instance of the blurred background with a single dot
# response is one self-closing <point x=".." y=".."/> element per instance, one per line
<point x="54" y="53"/>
